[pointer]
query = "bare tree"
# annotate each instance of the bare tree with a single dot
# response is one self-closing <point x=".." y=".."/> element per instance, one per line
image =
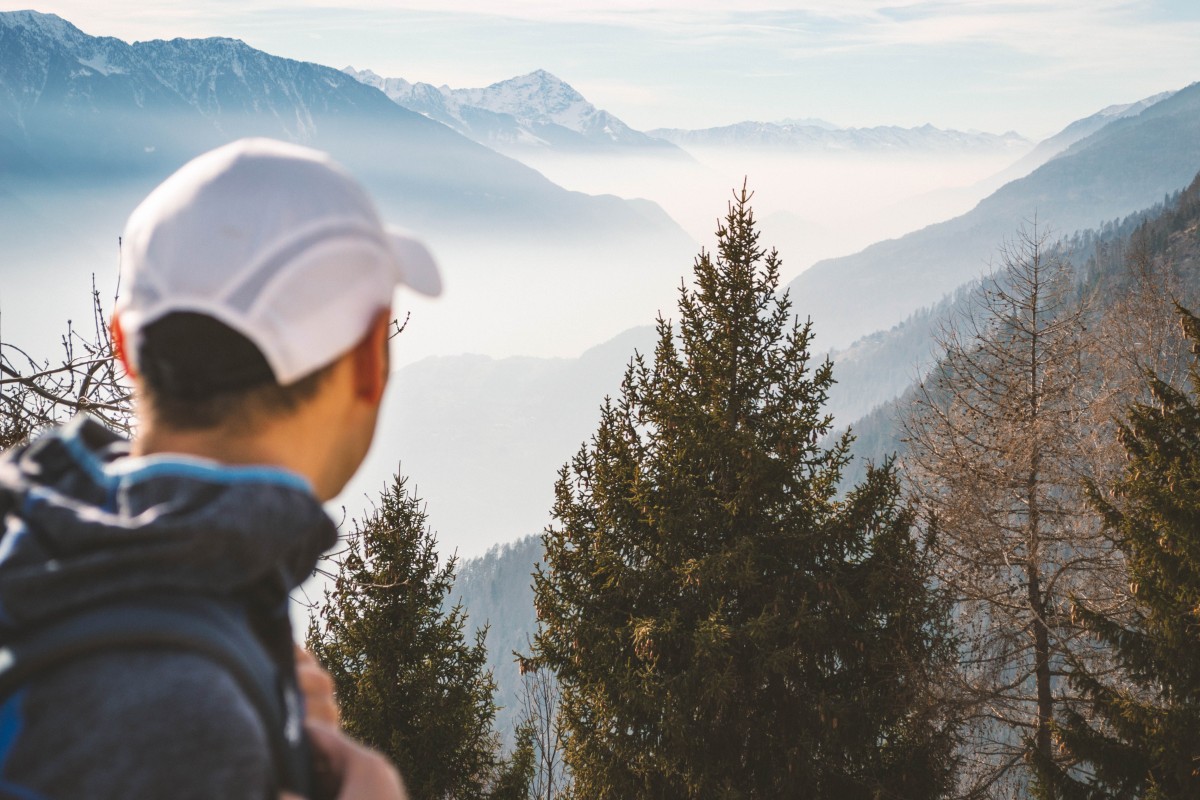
<point x="540" y="702"/>
<point x="995" y="457"/>
<point x="1136" y="335"/>
<point x="36" y="394"/>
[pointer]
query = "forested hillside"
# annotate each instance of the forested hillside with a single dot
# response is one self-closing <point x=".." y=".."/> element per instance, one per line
<point x="1149" y="258"/>
<point x="497" y="590"/>
<point x="1162" y="239"/>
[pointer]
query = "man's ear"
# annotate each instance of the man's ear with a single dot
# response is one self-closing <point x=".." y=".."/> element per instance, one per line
<point x="121" y="348"/>
<point x="370" y="358"/>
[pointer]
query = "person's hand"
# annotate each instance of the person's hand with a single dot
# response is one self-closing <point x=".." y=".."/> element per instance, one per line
<point x="320" y="702"/>
<point x="352" y="771"/>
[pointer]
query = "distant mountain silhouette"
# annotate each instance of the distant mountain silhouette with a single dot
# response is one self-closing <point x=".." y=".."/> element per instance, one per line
<point x="501" y="427"/>
<point x="1124" y="166"/>
<point x="816" y="136"/>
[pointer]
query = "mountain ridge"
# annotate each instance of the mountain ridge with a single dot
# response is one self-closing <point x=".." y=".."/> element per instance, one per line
<point x="535" y="110"/>
<point x="1122" y="167"/>
<point x="816" y="136"/>
<point x="76" y="107"/>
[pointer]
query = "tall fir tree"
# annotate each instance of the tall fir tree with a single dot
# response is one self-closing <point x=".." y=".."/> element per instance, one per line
<point x="407" y="680"/>
<point x="1141" y="739"/>
<point x="723" y="626"/>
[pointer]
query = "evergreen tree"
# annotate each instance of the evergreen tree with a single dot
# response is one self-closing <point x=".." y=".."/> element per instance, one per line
<point x="408" y="682"/>
<point x="1142" y="742"/>
<point x="721" y="624"/>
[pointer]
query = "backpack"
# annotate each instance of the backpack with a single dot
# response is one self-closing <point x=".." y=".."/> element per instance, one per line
<point x="216" y="629"/>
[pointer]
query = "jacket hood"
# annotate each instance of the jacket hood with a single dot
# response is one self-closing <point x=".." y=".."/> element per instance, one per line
<point x="83" y="521"/>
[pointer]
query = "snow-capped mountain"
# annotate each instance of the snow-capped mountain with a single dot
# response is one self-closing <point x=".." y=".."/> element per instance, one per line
<point x="537" y="110"/>
<point x="820" y="136"/>
<point x="76" y="107"/>
<point x="69" y="99"/>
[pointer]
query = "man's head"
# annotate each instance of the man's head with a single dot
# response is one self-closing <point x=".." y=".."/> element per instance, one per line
<point x="248" y="276"/>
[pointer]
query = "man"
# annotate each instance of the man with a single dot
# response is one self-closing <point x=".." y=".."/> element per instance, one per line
<point x="254" y="320"/>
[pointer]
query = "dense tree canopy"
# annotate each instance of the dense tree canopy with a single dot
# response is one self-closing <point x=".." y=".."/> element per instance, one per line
<point x="723" y="626"/>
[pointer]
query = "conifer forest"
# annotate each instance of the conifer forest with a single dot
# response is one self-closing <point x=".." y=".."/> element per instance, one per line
<point x="989" y="587"/>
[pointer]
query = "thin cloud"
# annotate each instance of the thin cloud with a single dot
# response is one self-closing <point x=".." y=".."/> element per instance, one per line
<point x="1104" y="36"/>
<point x="828" y="25"/>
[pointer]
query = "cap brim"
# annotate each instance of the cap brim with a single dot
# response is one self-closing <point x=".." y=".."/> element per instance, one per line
<point x="418" y="269"/>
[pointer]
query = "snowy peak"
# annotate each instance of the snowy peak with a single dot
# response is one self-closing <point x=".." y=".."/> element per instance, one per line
<point x="542" y="99"/>
<point x="44" y="58"/>
<point x="394" y="88"/>
<point x="27" y="33"/>
<point x="537" y="110"/>
<point x="45" y="26"/>
<point x="536" y="98"/>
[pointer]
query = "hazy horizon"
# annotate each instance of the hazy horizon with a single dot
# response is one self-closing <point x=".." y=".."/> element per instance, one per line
<point x="1027" y="66"/>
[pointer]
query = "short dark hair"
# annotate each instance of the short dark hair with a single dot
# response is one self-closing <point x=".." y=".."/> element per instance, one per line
<point x="198" y="373"/>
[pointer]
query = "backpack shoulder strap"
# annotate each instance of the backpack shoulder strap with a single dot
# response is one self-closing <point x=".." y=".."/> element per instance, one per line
<point x="194" y="623"/>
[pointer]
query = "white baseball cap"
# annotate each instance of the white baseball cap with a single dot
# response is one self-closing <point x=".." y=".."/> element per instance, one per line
<point x="277" y="242"/>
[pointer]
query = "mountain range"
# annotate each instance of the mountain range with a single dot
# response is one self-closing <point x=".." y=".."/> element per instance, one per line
<point x="1127" y="164"/>
<point x="540" y="111"/>
<point x="818" y="136"/>
<point x="537" y="110"/>
<point x="74" y="107"/>
<point x="506" y="425"/>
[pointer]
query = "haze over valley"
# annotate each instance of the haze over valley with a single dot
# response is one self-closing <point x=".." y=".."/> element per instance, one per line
<point x="562" y="229"/>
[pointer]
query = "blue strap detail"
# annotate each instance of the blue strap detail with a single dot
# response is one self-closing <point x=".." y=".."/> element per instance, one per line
<point x="10" y="724"/>
<point x="10" y="730"/>
<point x="11" y="791"/>
<point x="139" y="468"/>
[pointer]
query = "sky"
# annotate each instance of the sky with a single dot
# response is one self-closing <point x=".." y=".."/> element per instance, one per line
<point x="1032" y="66"/>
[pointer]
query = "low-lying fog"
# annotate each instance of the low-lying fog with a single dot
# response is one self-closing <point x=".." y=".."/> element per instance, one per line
<point x="810" y="206"/>
<point x="522" y="297"/>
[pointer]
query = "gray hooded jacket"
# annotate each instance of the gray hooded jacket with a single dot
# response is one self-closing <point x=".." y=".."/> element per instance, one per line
<point x="84" y="523"/>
